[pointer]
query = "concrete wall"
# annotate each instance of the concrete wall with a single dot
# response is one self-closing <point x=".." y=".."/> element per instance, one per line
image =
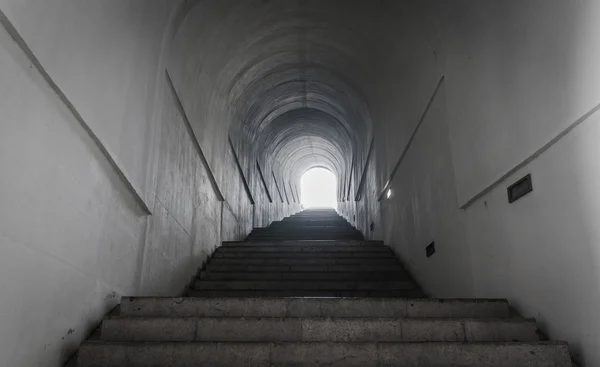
<point x="423" y="209"/>
<point x="200" y="66"/>
<point x="105" y="192"/>
<point x="70" y="233"/>
<point x="520" y="75"/>
<point x="465" y="98"/>
<point x="519" y="96"/>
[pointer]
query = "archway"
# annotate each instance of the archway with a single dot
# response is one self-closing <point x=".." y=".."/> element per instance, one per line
<point x="318" y="188"/>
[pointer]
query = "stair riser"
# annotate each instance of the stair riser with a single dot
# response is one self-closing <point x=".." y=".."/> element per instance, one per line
<point x="301" y="243"/>
<point x="290" y="307"/>
<point x="254" y="239"/>
<point x="300" y="261"/>
<point x="302" y="249"/>
<point x="307" y="225"/>
<point x="305" y="229"/>
<point x="306" y="293"/>
<point x="321" y="354"/>
<point x="304" y="268"/>
<point x="306" y="233"/>
<point x="302" y="225"/>
<point x="316" y="330"/>
<point x="301" y="255"/>
<point x="302" y="285"/>
<point x="306" y="276"/>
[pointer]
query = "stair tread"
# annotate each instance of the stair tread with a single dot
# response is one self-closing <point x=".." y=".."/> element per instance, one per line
<point x="303" y="268"/>
<point x="333" y="261"/>
<point x="440" y="354"/>
<point x="306" y="243"/>
<point x="304" y="285"/>
<point x="289" y="329"/>
<point x="413" y="293"/>
<point x="304" y="255"/>
<point x="306" y="276"/>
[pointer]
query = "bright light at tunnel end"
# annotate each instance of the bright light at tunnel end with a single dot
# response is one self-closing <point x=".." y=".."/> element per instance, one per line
<point x="318" y="188"/>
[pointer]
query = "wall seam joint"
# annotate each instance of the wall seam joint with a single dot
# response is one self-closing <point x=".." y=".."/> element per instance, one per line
<point x="190" y="130"/>
<point x="112" y="160"/>
<point x="363" y="176"/>
<point x="532" y="156"/>
<point x="239" y="167"/>
<point x="411" y="139"/>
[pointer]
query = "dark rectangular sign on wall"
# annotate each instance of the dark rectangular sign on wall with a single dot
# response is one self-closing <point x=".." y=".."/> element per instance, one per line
<point x="519" y="189"/>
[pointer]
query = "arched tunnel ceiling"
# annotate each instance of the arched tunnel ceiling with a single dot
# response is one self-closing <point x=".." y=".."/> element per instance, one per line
<point x="291" y="75"/>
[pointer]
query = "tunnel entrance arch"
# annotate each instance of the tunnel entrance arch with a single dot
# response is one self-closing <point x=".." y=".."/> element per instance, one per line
<point x="318" y="188"/>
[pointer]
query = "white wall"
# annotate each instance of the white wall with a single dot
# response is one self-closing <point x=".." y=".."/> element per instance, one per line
<point x="518" y="72"/>
<point x="423" y="208"/>
<point x="104" y="55"/>
<point x="73" y="238"/>
<point x="518" y="75"/>
<point x="69" y="233"/>
<point x="542" y="252"/>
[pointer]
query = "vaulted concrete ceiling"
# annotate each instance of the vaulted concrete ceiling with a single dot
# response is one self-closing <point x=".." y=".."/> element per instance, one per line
<point x="293" y="76"/>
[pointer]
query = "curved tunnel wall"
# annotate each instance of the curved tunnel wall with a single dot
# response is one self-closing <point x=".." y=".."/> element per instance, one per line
<point x="299" y="84"/>
<point x="125" y="181"/>
<point x="284" y="82"/>
<point x="122" y="180"/>
<point x="120" y="113"/>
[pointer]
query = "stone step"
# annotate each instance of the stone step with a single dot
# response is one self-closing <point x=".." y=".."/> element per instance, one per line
<point x="303" y="255"/>
<point x="312" y="233"/>
<point x="314" y="223"/>
<point x="306" y="243"/>
<point x="328" y="224"/>
<point x="307" y="276"/>
<point x="314" y="307"/>
<point x="309" y="261"/>
<point x="304" y="229"/>
<point x="313" y="219"/>
<point x="313" y="214"/>
<point x="304" y="237"/>
<point x="337" y="235"/>
<point x="301" y="231"/>
<point x="288" y="329"/>
<point x="431" y="354"/>
<point x="412" y="293"/>
<point x="302" y="268"/>
<point x="301" y="249"/>
<point x="268" y="285"/>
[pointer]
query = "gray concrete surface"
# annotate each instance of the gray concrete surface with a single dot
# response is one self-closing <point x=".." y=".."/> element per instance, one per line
<point x="93" y="139"/>
<point x="138" y="329"/>
<point x="313" y="307"/>
<point x="96" y="354"/>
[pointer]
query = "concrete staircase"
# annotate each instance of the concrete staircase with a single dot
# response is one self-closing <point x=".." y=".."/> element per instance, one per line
<point x="323" y="224"/>
<point x="276" y="300"/>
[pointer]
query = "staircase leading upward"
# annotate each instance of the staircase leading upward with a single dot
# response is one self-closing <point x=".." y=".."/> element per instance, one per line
<point x="316" y="224"/>
<point x="308" y="291"/>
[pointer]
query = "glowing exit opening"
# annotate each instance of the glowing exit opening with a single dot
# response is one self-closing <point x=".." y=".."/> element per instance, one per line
<point x="318" y="189"/>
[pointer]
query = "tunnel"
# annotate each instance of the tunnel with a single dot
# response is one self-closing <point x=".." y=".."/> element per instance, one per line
<point x="138" y="136"/>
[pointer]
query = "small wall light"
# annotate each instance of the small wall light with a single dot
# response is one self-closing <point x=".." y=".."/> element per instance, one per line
<point x="389" y="193"/>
